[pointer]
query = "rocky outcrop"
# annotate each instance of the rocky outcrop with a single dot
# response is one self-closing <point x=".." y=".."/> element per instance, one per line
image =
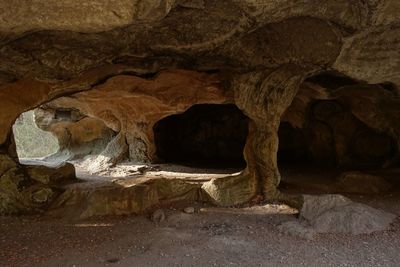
<point x="336" y="214"/>
<point x="132" y="63"/>
<point x="86" y="200"/>
<point x="30" y="189"/>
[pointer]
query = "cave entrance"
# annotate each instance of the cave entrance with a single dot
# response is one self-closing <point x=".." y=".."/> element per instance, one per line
<point x="31" y="141"/>
<point x="53" y="136"/>
<point x="205" y="136"/>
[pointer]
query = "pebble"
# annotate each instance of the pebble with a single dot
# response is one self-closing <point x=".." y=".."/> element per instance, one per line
<point x="189" y="210"/>
<point x="158" y="216"/>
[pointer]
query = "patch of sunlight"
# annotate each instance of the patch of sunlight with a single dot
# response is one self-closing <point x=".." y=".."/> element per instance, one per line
<point x="256" y="210"/>
<point x="30" y="140"/>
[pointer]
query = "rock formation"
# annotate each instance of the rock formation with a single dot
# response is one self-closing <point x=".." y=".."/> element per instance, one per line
<point x="126" y="65"/>
<point x="336" y="214"/>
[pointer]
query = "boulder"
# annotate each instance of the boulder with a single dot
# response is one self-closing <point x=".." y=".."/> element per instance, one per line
<point x="336" y="214"/>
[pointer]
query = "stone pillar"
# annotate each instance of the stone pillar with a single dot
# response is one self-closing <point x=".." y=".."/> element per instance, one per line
<point x="264" y="97"/>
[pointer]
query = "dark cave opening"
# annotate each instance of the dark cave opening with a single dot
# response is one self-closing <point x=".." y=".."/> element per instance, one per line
<point x="334" y="138"/>
<point x="293" y="146"/>
<point x="334" y="153"/>
<point x="206" y="136"/>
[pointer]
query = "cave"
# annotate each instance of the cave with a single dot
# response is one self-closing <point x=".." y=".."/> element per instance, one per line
<point x="53" y="136"/>
<point x="245" y="107"/>
<point x="334" y="138"/>
<point x="205" y="136"/>
<point x="293" y="146"/>
<point x="328" y="134"/>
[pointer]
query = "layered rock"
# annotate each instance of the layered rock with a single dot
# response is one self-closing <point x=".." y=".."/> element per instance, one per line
<point x="118" y="64"/>
<point x="31" y="189"/>
<point x="131" y="106"/>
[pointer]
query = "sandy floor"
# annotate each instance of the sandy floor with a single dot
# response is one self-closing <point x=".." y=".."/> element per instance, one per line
<point x="209" y="237"/>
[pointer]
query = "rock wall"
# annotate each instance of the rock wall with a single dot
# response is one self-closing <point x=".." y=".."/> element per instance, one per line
<point x="119" y="62"/>
<point x="341" y="123"/>
<point x="131" y="106"/>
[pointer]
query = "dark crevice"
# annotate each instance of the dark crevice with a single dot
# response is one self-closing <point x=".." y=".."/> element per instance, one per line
<point x="332" y="80"/>
<point x="147" y="76"/>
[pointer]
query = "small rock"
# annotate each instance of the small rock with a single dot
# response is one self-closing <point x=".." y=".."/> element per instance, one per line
<point x="298" y="229"/>
<point x="158" y="216"/>
<point x="42" y="195"/>
<point x="112" y="260"/>
<point x="189" y="210"/>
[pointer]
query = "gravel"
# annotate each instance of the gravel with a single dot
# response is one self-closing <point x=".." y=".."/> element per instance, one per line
<point x="211" y="237"/>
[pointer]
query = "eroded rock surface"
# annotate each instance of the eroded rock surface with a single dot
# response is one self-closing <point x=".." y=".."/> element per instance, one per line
<point x="337" y="214"/>
<point x="27" y="190"/>
<point x="126" y="65"/>
<point x="362" y="183"/>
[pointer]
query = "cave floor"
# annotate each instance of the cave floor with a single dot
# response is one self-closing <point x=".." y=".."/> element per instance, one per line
<point x="245" y="236"/>
<point x="211" y="236"/>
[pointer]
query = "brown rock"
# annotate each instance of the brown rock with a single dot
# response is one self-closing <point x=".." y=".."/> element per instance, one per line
<point x="362" y="183"/>
<point x="158" y="216"/>
<point x="125" y="66"/>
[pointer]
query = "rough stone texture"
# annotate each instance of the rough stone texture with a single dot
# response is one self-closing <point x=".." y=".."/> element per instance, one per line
<point x="372" y="55"/>
<point x="158" y="216"/>
<point x="86" y="200"/>
<point x="77" y="135"/>
<point x="337" y="214"/>
<point x="117" y="61"/>
<point x="87" y="16"/>
<point x="362" y="183"/>
<point x="48" y="176"/>
<point x="115" y="151"/>
<point x="31" y="189"/>
<point x="345" y="122"/>
<point x="132" y="105"/>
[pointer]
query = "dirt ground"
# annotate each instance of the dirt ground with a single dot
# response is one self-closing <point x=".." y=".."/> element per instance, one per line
<point x="246" y="236"/>
<point x="209" y="237"/>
